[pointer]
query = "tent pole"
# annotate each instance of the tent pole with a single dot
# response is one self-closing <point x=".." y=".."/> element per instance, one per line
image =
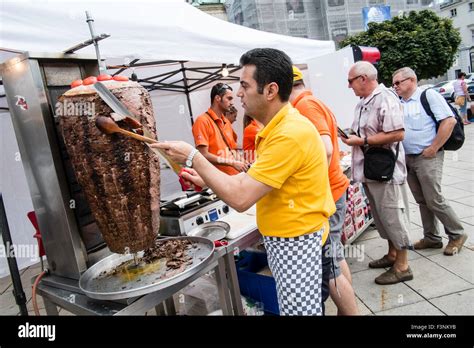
<point x="186" y="90"/>
<point x="18" y="293"/>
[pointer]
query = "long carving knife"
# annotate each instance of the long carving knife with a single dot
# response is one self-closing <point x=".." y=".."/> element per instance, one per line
<point x="117" y="106"/>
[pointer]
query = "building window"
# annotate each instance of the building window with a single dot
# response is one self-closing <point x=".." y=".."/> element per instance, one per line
<point x="472" y="34"/>
<point x="454" y="12"/>
<point x="471" y="6"/>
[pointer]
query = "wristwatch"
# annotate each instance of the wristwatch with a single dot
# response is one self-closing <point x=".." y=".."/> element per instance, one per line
<point x="189" y="160"/>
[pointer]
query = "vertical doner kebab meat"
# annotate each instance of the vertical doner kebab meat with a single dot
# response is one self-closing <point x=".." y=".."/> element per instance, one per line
<point x="120" y="176"/>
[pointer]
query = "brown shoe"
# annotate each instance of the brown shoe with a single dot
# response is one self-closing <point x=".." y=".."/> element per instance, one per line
<point x="455" y="246"/>
<point x="394" y="277"/>
<point x="381" y="263"/>
<point x="427" y="244"/>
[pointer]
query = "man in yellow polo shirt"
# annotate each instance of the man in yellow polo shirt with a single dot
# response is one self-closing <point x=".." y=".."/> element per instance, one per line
<point x="288" y="181"/>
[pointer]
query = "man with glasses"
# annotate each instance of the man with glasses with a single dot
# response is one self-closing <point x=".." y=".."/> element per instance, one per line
<point x="378" y="122"/>
<point x="424" y="158"/>
<point x="213" y="133"/>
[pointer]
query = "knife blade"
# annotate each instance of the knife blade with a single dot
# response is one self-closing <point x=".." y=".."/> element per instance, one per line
<point x="111" y="100"/>
<point x="117" y="106"/>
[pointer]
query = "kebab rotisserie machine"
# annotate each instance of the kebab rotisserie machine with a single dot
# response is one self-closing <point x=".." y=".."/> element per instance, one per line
<point x="33" y="83"/>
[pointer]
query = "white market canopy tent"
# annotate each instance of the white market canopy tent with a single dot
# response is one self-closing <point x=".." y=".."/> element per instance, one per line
<point x="176" y="50"/>
<point x="158" y="30"/>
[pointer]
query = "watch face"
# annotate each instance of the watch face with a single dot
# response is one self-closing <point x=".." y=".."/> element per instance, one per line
<point x="189" y="163"/>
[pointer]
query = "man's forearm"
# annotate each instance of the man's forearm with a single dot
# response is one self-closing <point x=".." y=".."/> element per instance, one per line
<point x="226" y="187"/>
<point x="217" y="160"/>
<point x="386" y="138"/>
<point x="328" y="146"/>
<point x="444" y="132"/>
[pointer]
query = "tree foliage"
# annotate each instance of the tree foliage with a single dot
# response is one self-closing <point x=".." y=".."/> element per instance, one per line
<point x="421" y="40"/>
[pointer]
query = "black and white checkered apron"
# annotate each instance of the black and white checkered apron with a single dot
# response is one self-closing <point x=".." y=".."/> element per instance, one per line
<point x="296" y="265"/>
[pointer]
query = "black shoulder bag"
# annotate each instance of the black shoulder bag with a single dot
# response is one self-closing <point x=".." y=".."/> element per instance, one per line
<point x="457" y="137"/>
<point x="379" y="162"/>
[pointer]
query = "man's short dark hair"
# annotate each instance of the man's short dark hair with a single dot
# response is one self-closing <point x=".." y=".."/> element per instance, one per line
<point x="271" y="66"/>
<point x="298" y="83"/>
<point x="219" y="89"/>
<point x="461" y="74"/>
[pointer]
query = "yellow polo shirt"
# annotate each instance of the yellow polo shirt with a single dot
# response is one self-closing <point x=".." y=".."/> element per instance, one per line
<point x="291" y="158"/>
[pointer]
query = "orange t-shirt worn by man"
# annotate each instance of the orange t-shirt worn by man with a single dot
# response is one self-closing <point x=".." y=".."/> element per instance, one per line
<point x="206" y="133"/>
<point x="250" y="132"/>
<point x="325" y="122"/>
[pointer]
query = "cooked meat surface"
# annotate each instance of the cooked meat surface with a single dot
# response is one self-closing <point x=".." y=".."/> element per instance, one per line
<point x="120" y="176"/>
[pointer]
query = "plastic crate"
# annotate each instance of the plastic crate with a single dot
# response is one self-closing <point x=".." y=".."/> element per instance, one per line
<point x="258" y="287"/>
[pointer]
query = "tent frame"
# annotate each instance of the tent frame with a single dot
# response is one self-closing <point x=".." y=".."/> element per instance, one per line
<point x="186" y="85"/>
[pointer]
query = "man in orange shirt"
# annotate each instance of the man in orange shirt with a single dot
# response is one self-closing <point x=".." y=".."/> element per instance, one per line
<point x="213" y="133"/>
<point x="251" y="128"/>
<point x="323" y="119"/>
<point x="231" y="116"/>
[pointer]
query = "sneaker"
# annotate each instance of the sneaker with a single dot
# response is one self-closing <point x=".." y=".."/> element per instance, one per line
<point x="394" y="277"/>
<point x="455" y="246"/>
<point x="427" y="244"/>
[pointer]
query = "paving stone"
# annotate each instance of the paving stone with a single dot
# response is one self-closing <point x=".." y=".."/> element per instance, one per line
<point x="415" y="216"/>
<point x="5" y="283"/>
<point x="376" y="248"/>
<point x="461" y="210"/>
<point x="382" y="297"/>
<point x="8" y="305"/>
<point x="447" y="180"/>
<point x="419" y="308"/>
<point x="416" y="233"/>
<point x="64" y="312"/>
<point x="42" y="312"/>
<point x="431" y="280"/>
<point x="464" y="185"/>
<point x="468" y="220"/>
<point x="363" y="309"/>
<point x="458" y="173"/>
<point x="469" y="201"/>
<point x="455" y="193"/>
<point x="39" y="301"/>
<point x="460" y="303"/>
<point x="469" y="230"/>
<point x="459" y="165"/>
<point x="430" y="252"/>
<point x="370" y="233"/>
<point x="330" y="308"/>
<point x="461" y="264"/>
<point x="357" y="265"/>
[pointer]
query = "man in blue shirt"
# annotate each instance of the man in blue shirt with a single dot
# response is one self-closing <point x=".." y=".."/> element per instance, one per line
<point x="424" y="160"/>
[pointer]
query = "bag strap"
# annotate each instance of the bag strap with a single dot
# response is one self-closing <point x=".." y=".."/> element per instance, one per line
<point x="427" y="107"/>
<point x="220" y="131"/>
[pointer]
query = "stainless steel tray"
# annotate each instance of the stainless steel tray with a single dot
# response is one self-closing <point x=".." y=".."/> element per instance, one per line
<point x="119" y="286"/>
<point x="215" y="230"/>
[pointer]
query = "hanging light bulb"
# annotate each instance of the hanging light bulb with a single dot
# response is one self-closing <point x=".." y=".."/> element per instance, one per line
<point x="225" y="71"/>
<point x="134" y="76"/>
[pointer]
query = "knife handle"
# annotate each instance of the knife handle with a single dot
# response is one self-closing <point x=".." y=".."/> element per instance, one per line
<point x="185" y="186"/>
